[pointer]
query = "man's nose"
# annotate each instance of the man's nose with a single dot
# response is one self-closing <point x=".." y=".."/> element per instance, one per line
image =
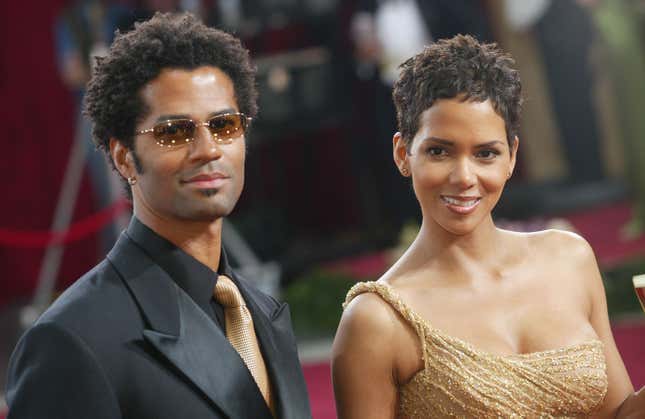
<point x="204" y="145"/>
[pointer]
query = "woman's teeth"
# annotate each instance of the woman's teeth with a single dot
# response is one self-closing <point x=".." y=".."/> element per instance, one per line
<point x="459" y="202"/>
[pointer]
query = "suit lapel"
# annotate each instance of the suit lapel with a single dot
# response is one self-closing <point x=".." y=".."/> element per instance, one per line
<point x="186" y="336"/>
<point x="273" y="329"/>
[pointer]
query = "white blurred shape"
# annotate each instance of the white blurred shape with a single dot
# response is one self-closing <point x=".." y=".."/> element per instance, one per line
<point x="522" y="14"/>
<point x="402" y="34"/>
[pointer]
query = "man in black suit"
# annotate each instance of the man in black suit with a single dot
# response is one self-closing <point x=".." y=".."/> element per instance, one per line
<point x="151" y="332"/>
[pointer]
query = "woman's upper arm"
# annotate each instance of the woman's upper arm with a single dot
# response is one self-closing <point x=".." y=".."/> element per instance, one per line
<point x="363" y="360"/>
<point x="619" y="384"/>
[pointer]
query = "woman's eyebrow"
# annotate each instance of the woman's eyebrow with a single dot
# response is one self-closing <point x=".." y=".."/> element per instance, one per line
<point x="490" y="144"/>
<point x="446" y="142"/>
<point x="441" y="141"/>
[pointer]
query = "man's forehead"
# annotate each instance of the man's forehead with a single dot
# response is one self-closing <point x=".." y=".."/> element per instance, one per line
<point x="203" y="75"/>
<point x="179" y="93"/>
<point x="204" y="78"/>
<point x="178" y="84"/>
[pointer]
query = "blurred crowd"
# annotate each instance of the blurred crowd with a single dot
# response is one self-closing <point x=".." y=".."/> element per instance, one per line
<point x="321" y="182"/>
<point x="325" y="74"/>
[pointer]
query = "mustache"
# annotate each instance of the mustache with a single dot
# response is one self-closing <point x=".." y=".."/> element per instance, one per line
<point x="207" y="168"/>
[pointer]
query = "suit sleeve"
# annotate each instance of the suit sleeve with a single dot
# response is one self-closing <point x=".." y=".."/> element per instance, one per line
<point x="54" y="374"/>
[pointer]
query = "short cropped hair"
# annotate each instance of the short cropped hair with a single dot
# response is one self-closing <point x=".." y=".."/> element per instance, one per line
<point x="458" y="67"/>
<point x="180" y="41"/>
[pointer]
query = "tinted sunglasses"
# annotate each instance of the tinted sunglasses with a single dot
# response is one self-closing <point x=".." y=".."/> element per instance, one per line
<point x="176" y="132"/>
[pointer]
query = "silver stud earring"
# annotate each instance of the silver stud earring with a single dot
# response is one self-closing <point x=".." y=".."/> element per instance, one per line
<point x="132" y="181"/>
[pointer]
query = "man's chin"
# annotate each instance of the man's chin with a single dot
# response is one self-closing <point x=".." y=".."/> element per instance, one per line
<point x="213" y="204"/>
<point x="208" y="192"/>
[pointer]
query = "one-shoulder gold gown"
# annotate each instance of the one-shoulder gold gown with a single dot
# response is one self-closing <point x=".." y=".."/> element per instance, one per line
<point x="459" y="380"/>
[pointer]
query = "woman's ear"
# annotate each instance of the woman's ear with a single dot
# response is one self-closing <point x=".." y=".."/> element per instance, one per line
<point x="400" y="154"/>
<point x="513" y="150"/>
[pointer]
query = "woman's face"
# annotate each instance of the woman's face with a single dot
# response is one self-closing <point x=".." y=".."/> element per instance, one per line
<point x="459" y="160"/>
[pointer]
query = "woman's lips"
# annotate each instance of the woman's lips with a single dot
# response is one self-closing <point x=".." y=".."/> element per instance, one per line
<point x="461" y="204"/>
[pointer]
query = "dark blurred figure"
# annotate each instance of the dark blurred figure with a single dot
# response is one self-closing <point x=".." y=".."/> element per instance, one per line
<point x="82" y="31"/>
<point x="565" y="35"/>
<point x="145" y="9"/>
<point x="385" y="32"/>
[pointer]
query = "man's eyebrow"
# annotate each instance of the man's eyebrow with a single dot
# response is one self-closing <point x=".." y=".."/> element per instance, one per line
<point x="163" y="118"/>
<point x="170" y="117"/>
<point x="222" y="112"/>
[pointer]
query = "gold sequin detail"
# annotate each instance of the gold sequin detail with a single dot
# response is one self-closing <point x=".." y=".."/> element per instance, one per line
<point x="459" y="380"/>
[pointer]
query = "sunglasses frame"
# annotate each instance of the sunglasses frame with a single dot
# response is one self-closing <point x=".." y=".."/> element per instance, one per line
<point x="245" y="121"/>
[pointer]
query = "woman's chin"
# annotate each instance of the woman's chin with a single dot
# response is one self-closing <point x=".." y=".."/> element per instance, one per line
<point x="460" y="227"/>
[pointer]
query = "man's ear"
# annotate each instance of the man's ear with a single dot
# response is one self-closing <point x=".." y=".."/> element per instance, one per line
<point x="400" y="154"/>
<point x="122" y="158"/>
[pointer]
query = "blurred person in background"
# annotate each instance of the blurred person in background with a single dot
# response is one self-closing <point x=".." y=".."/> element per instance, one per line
<point x="222" y="14"/>
<point x="556" y="39"/>
<point x="565" y="33"/>
<point x="381" y="43"/>
<point x="163" y="328"/>
<point x="145" y="9"/>
<point x="82" y="31"/>
<point x="621" y="24"/>
<point x="475" y="321"/>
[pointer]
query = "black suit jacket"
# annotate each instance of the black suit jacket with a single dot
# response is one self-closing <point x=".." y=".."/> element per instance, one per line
<point x="126" y="342"/>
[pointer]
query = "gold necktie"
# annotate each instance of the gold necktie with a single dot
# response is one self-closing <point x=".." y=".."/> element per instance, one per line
<point x="241" y="334"/>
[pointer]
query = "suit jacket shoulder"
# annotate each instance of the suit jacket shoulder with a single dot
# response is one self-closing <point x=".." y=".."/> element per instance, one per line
<point x="127" y="339"/>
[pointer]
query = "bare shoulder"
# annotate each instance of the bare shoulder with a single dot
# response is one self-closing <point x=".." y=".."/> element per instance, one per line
<point x="553" y="236"/>
<point x="561" y="245"/>
<point x="365" y="344"/>
<point x="364" y="359"/>
<point x="372" y="327"/>
<point x="368" y="316"/>
<point x="568" y="256"/>
<point x="562" y="259"/>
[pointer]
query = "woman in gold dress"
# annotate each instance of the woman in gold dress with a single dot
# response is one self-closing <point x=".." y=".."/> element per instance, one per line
<point x="475" y="321"/>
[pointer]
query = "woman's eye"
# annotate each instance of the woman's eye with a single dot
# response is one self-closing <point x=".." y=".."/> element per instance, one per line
<point x="487" y="154"/>
<point x="436" y="151"/>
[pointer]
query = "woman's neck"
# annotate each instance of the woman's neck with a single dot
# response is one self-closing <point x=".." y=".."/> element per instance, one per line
<point x="480" y="247"/>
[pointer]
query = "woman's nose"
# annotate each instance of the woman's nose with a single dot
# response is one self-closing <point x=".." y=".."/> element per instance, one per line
<point x="462" y="173"/>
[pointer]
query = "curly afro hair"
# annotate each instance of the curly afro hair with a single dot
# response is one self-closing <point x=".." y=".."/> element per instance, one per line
<point x="135" y="58"/>
<point x="458" y="67"/>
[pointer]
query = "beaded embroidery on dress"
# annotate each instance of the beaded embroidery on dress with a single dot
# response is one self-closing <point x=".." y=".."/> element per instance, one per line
<point x="459" y="380"/>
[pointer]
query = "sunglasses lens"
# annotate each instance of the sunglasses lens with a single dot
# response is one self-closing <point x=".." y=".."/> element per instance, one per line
<point x="227" y="127"/>
<point x="174" y="133"/>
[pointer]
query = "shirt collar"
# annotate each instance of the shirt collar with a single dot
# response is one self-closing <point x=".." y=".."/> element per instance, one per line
<point x="192" y="276"/>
